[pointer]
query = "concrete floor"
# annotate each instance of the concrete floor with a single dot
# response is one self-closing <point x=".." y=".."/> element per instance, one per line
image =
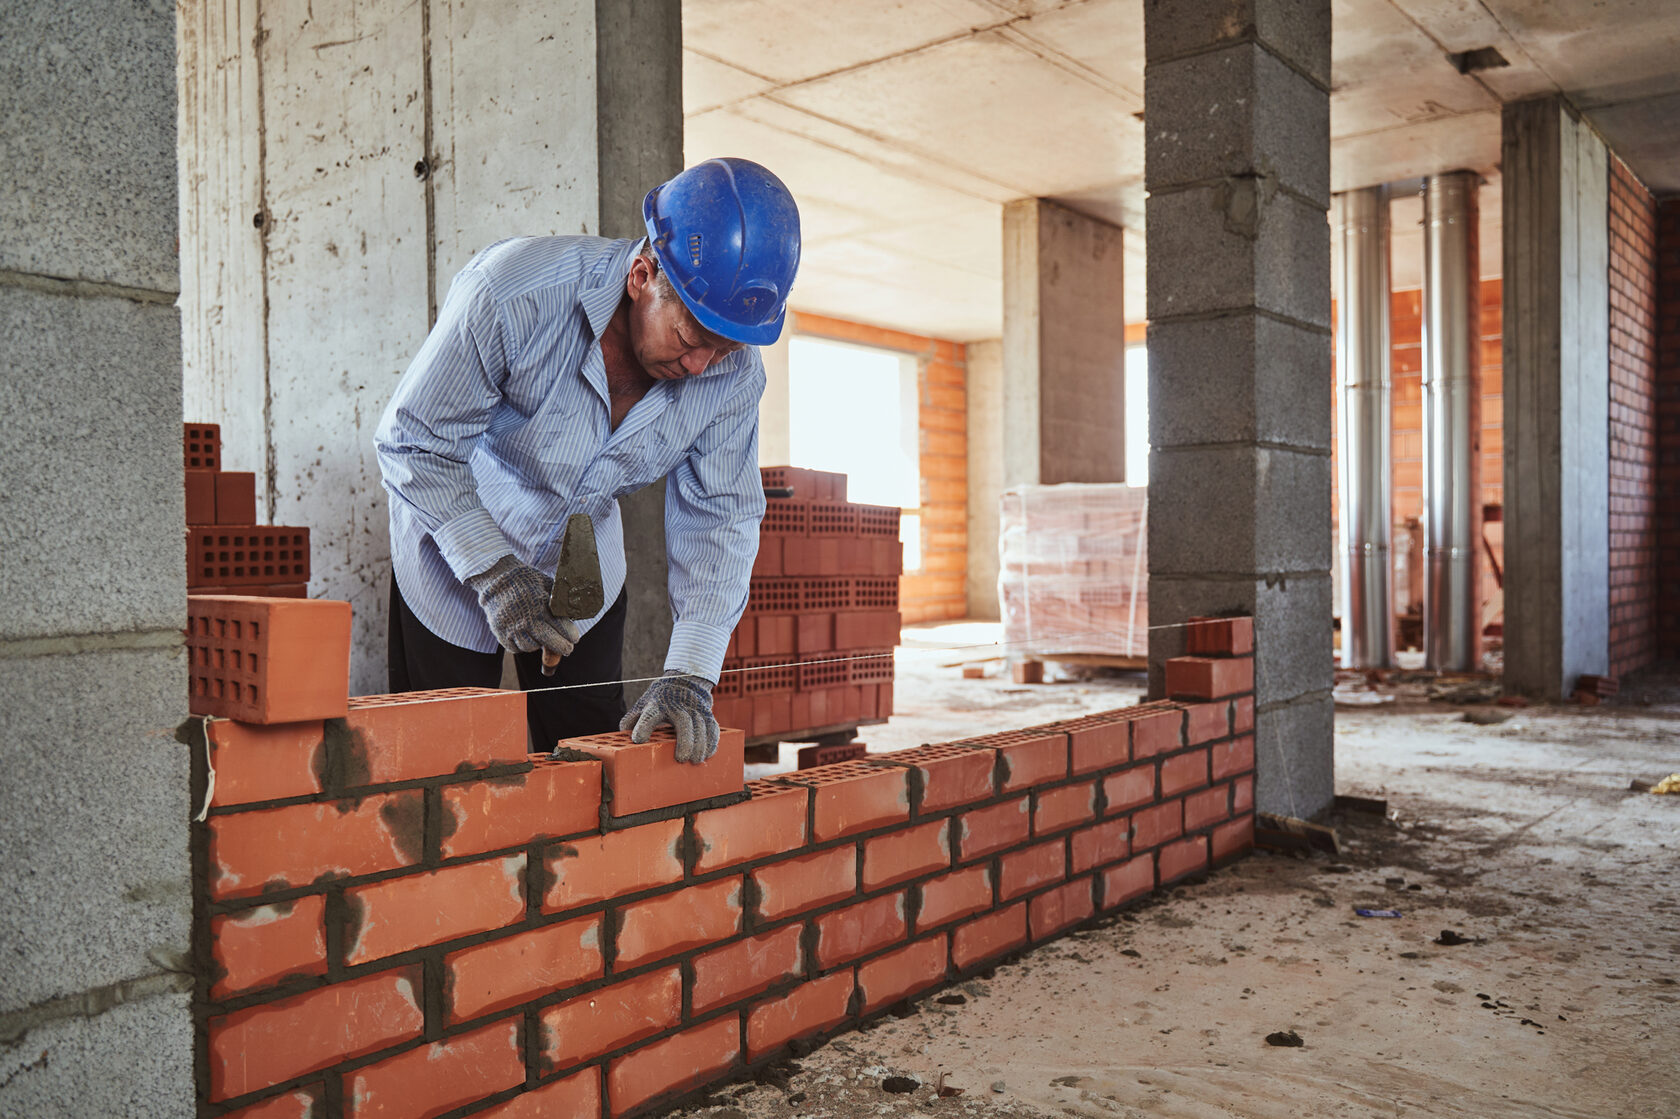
<point x="1523" y="836"/>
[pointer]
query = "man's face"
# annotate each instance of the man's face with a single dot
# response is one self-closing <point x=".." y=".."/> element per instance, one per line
<point x="666" y="340"/>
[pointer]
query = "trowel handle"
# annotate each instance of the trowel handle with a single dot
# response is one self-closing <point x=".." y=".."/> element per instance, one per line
<point x="551" y="661"/>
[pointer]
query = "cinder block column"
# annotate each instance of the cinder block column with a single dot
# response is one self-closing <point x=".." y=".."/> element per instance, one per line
<point x="95" y="906"/>
<point x="1557" y="399"/>
<point x="1064" y="350"/>
<point x="1237" y="125"/>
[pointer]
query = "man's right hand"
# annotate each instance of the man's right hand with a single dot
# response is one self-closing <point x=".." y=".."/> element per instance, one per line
<point x="514" y="596"/>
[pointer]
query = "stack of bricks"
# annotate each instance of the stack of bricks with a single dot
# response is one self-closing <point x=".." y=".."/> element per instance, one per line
<point x="228" y="553"/>
<point x="814" y="650"/>
<point x="399" y="913"/>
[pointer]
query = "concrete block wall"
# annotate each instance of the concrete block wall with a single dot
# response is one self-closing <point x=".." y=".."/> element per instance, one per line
<point x="1666" y="391"/>
<point x="400" y="913"/>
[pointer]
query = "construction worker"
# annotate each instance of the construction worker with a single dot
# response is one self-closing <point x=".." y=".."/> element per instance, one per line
<point x="563" y="373"/>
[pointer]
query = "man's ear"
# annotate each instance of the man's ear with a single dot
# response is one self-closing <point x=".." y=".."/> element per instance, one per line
<point x="641" y="274"/>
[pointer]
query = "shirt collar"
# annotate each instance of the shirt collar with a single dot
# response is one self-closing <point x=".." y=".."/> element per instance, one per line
<point x="603" y="288"/>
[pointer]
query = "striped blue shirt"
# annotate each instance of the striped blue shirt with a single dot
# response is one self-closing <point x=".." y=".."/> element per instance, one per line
<point x="502" y="427"/>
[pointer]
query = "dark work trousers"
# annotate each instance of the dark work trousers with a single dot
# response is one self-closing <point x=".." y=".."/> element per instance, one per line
<point x="421" y="661"/>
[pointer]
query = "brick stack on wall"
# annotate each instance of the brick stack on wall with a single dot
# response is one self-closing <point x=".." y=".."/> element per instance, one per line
<point x="1667" y="404"/>
<point x="227" y="551"/>
<point x="814" y="649"/>
<point x="399" y="913"/>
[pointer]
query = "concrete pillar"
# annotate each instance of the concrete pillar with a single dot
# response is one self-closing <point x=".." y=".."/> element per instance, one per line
<point x="1064" y="352"/>
<point x="1237" y="116"/>
<point x="339" y="165"/>
<point x="1557" y="367"/>
<point x="985" y="474"/>
<point x="775" y="417"/>
<point x="95" y="911"/>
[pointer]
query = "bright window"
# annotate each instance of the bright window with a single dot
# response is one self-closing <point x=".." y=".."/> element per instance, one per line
<point x="1137" y="415"/>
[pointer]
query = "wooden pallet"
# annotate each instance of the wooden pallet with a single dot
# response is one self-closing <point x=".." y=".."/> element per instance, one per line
<point x="766" y="747"/>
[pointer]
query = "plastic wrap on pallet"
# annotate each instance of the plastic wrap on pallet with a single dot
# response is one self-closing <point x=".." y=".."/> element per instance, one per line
<point x="1073" y="572"/>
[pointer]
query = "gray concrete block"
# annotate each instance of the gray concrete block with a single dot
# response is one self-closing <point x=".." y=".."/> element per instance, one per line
<point x="1236" y="510"/>
<point x="90" y="485"/>
<point x="1236" y="111"/>
<point x="1295" y="31"/>
<point x="93" y="822"/>
<point x="87" y="185"/>
<point x="135" y="1059"/>
<point x="1240" y="378"/>
<point x="1238" y="245"/>
<point x="1294" y="757"/>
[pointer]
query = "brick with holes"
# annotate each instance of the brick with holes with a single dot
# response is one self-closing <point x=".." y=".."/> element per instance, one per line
<point x="852" y="797"/>
<point x="772" y="820"/>
<point x="268" y="660"/>
<point x="949" y="774"/>
<point x="414" y="735"/>
<point x="641" y="777"/>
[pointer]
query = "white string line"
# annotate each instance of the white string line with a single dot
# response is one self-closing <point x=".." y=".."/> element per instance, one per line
<point x="209" y="764"/>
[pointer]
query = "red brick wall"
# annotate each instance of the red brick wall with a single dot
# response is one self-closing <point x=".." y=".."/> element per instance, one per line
<point x="1666" y="383"/>
<point x="398" y="912"/>
<point x="1633" y="313"/>
<point x="938" y="589"/>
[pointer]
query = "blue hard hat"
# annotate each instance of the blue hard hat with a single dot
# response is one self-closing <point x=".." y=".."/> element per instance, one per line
<point x="726" y="232"/>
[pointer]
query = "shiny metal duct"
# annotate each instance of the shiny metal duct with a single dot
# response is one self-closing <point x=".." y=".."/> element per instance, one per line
<point x="1362" y="365"/>
<point x="1452" y="415"/>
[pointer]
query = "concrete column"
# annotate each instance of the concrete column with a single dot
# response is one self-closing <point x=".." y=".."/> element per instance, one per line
<point x="339" y="166"/>
<point x="95" y="911"/>
<point x="1237" y="115"/>
<point x="775" y="417"/>
<point x="1064" y="352"/>
<point x="985" y="474"/>
<point x="1557" y="367"/>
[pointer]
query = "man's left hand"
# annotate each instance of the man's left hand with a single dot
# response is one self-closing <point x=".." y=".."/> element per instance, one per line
<point x="683" y="701"/>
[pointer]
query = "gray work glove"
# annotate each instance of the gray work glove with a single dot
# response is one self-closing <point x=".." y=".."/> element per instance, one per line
<point x="683" y="701"/>
<point x="514" y="596"/>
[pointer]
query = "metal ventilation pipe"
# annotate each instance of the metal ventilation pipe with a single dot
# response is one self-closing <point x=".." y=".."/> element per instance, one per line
<point x="1362" y="364"/>
<point x="1452" y="421"/>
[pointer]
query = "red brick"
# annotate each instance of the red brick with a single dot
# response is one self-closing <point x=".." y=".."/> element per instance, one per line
<point x="814" y="633"/>
<point x="951" y="775"/>
<point x="1233" y="757"/>
<point x="1129" y="880"/>
<point x="578" y="1094"/>
<point x="1108" y="841"/>
<point x="269" y="1044"/>
<point x="985" y="830"/>
<point x="502" y="973"/>
<point x="853" y="797"/>
<point x="808" y="1009"/>
<point x="1206" y="807"/>
<point x="689" y="918"/>
<point x="897" y="975"/>
<point x="554" y="799"/>
<point x="1184" y="771"/>
<point x="771" y="822"/>
<point x="1064" y="808"/>
<point x="1205" y="722"/>
<point x="262" y="946"/>
<point x="612" y="865"/>
<point x="607" y="1018"/>
<point x="1242" y="795"/>
<point x="441" y="1076"/>
<point x="1095" y="745"/>
<point x="638" y="778"/>
<point x="1054" y="910"/>
<point x="1152" y="827"/>
<point x="253" y="762"/>
<point x="247" y="556"/>
<point x="1020" y="872"/>
<point x="1233" y="837"/>
<point x="774" y="636"/>
<point x="413" y="735"/>
<point x="1129" y="788"/>
<point x="1157" y="730"/>
<point x="907" y="854"/>
<point x="1209" y="677"/>
<point x="1187" y="856"/>
<point x="746" y="967"/>
<point x="201" y="497"/>
<point x="673" y="1065"/>
<point x="805" y="882"/>
<point x="857" y="930"/>
<point x="420" y="909"/>
<point x="298" y="845"/>
<point x="1033" y="759"/>
<point x="304" y="1103"/>
<point x="989" y="937"/>
<point x="236" y="497"/>
<point x="1216" y="637"/>
<point x="961" y="893"/>
<point x="268" y="660"/>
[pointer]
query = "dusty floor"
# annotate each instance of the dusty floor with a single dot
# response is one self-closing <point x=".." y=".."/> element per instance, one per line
<point x="1522" y="835"/>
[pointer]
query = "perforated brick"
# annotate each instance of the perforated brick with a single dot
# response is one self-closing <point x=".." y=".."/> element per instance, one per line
<point x="227" y="557"/>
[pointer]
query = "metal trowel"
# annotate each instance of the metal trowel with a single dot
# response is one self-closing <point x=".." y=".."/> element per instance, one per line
<point x="578" y="593"/>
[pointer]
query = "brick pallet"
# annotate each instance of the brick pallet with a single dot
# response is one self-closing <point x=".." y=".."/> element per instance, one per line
<point x="812" y="655"/>
<point x="396" y="911"/>
<point x="228" y="553"/>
